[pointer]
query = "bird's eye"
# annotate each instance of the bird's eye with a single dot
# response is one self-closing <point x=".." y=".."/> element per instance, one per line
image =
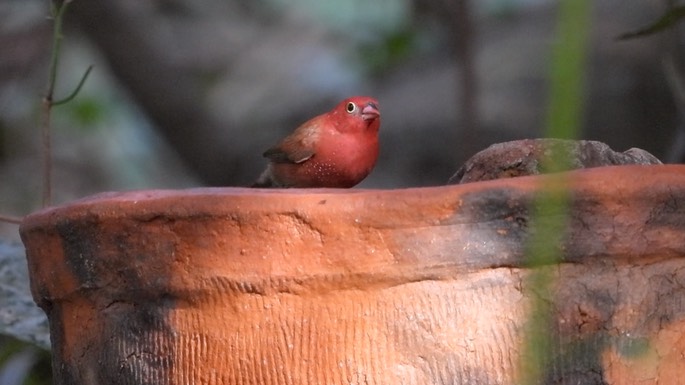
<point x="351" y="107"/>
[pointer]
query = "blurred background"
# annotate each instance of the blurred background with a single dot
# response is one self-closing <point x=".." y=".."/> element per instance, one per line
<point x="190" y="93"/>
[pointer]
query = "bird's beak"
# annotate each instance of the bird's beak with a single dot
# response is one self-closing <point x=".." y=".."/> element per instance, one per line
<point x="370" y="112"/>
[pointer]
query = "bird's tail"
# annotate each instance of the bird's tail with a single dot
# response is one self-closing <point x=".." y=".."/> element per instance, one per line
<point x="265" y="180"/>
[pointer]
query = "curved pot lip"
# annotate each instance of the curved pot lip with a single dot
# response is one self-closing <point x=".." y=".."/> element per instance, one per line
<point x="337" y="238"/>
<point x="624" y="177"/>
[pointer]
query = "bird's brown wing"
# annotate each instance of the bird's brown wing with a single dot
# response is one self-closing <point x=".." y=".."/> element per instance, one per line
<point x="295" y="148"/>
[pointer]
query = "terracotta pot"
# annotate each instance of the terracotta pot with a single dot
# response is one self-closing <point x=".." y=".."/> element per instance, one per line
<point x="414" y="286"/>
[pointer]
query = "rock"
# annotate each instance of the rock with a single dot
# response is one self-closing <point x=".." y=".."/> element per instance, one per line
<point x="526" y="157"/>
<point x="19" y="315"/>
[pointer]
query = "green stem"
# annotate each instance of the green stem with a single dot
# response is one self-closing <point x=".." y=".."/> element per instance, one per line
<point x="551" y="208"/>
<point x="76" y="90"/>
<point x="57" y="11"/>
<point x="567" y="78"/>
<point x="58" y="16"/>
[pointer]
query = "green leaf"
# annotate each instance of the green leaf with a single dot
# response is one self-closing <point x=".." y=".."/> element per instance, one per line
<point x="671" y="17"/>
<point x="87" y="112"/>
<point x="393" y="48"/>
<point x="634" y="347"/>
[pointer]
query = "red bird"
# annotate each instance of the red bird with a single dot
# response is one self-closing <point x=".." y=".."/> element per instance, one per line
<point x="336" y="149"/>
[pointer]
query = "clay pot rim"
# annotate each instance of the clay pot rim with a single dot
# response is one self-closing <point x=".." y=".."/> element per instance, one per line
<point x="140" y="198"/>
<point x="403" y="235"/>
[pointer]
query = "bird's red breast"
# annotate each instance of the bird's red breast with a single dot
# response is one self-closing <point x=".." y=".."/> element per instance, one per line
<point x="335" y="149"/>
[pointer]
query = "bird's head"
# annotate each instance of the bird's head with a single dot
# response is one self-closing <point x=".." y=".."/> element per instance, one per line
<point x="361" y="111"/>
<point x="362" y="106"/>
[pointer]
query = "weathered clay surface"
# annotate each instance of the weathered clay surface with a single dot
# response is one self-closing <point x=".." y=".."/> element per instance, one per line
<point x="526" y="157"/>
<point x="416" y="286"/>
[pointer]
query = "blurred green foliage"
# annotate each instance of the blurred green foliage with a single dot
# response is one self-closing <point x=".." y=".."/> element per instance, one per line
<point x="86" y="112"/>
<point x="393" y="48"/>
<point x="634" y="347"/>
<point x="550" y="215"/>
<point x="39" y="373"/>
<point x="669" y="19"/>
